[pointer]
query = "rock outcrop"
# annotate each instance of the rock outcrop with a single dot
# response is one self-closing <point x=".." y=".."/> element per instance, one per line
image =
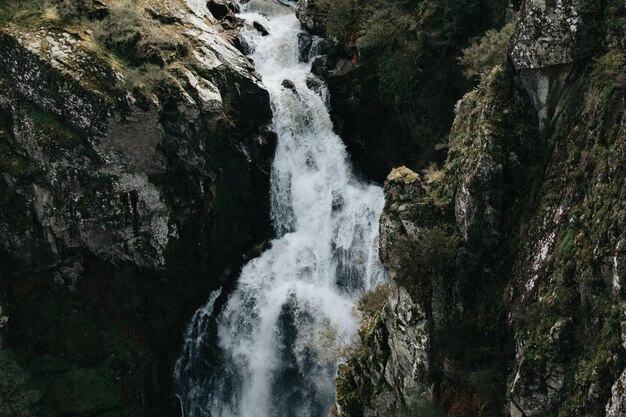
<point x="128" y="189"/>
<point x="526" y="319"/>
<point x="551" y="37"/>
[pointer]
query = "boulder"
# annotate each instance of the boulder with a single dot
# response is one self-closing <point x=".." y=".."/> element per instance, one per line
<point x="260" y="28"/>
<point x="311" y="16"/>
<point x="551" y="36"/>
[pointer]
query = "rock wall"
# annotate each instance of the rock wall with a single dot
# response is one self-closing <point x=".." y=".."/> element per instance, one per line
<point x="506" y="293"/>
<point x="122" y="205"/>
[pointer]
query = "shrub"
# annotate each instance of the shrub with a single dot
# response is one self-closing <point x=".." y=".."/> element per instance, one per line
<point x="158" y="47"/>
<point x="482" y="55"/>
<point x="71" y="10"/>
<point x="333" y="345"/>
<point x="16" y="399"/>
<point x="21" y="10"/>
<point x="373" y="301"/>
<point x="340" y="17"/>
<point x="147" y="78"/>
<point x="122" y="29"/>
<point x="461" y="19"/>
<point x="405" y="41"/>
<point x="609" y="70"/>
<point x="432" y="174"/>
<point x="424" y="260"/>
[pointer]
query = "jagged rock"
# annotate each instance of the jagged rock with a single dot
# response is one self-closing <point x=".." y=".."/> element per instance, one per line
<point x="478" y="162"/>
<point x="553" y="33"/>
<point x="619" y="268"/>
<point x="534" y="391"/>
<point x="408" y="337"/>
<point x="311" y="17"/>
<point x="549" y="39"/>
<point x="311" y="46"/>
<point x="289" y="85"/>
<point x="260" y="28"/>
<point x="616" y="407"/>
<point x="123" y="198"/>
<point x="221" y="8"/>
<point x="403" y="191"/>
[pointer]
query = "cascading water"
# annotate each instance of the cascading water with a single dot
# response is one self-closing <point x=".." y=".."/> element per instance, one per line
<point x="295" y="301"/>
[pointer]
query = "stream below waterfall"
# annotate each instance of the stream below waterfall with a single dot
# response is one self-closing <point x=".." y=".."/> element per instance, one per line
<point x="271" y="349"/>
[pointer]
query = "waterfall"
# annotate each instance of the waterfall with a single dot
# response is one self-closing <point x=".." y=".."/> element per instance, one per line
<point x="265" y="353"/>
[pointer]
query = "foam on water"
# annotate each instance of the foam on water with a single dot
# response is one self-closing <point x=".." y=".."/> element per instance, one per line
<point x="269" y="359"/>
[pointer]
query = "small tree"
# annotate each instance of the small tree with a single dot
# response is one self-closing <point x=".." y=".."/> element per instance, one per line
<point x="482" y="55"/>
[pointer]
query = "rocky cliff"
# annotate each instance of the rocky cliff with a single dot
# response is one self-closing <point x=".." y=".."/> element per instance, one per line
<point x="506" y="293"/>
<point x="133" y="179"/>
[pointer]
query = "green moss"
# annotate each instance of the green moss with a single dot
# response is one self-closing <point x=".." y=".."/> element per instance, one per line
<point x="609" y="70"/>
<point x="566" y="245"/>
<point x="425" y="260"/>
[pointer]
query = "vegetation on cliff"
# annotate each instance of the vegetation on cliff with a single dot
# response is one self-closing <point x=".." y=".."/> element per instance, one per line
<point x="527" y="315"/>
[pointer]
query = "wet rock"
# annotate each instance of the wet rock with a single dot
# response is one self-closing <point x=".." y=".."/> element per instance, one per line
<point x="221" y="8"/>
<point x="289" y="85"/>
<point x="315" y="84"/>
<point x="305" y="40"/>
<point x="260" y="28"/>
<point x="311" y="46"/>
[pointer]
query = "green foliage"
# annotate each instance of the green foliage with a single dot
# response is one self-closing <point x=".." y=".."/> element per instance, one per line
<point x="404" y="40"/>
<point x="372" y="302"/>
<point x="482" y="55"/>
<point x="17" y="399"/>
<point x="22" y="11"/>
<point x="461" y="19"/>
<point x="147" y="77"/>
<point x="71" y="10"/>
<point x="341" y="17"/>
<point x="122" y="29"/>
<point x="426" y="259"/>
<point x="609" y="70"/>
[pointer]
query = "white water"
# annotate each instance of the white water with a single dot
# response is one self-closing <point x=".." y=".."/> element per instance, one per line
<point x="271" y="357"/>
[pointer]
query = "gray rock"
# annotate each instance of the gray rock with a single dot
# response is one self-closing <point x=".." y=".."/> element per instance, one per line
<point x="616" y="406"/>
<point x="104" y="185"/>
<point x="311" y="16"/>
<point x="550" y="37"/>
<point x="409" y="343"/>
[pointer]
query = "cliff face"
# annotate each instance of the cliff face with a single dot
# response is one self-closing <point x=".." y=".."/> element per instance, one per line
<point x="506" y="293"/>
<point x="132" y="180"/>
